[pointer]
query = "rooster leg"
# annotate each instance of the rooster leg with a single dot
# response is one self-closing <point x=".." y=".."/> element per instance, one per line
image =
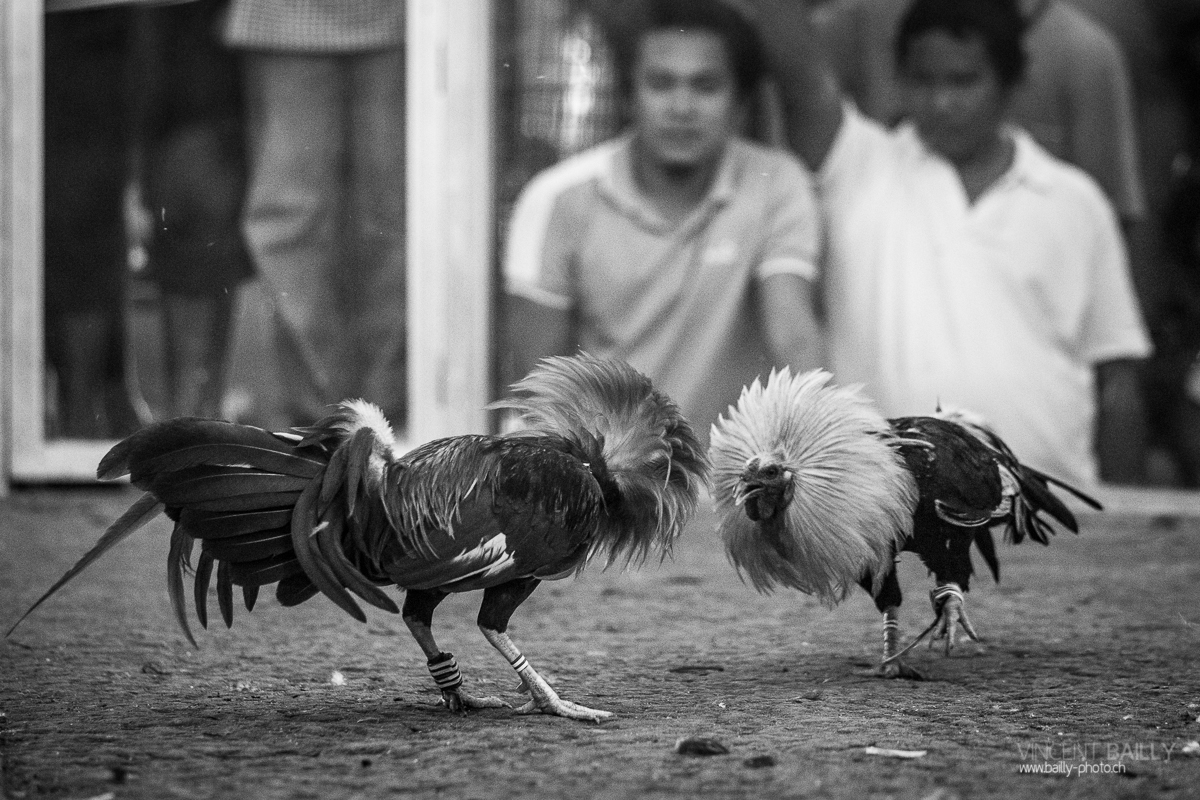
<point x="895" y="668"/>
<point x="947" y="600"/>
<point x="887" y="600"/>
<point x="418" y="616"/>
<point x="499" y="603"/>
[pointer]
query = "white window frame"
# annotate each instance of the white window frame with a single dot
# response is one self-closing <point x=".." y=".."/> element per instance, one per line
<point x="450" y="252"/>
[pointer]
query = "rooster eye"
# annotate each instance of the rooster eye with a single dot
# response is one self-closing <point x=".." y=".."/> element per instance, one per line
<point x="771" y="472"/>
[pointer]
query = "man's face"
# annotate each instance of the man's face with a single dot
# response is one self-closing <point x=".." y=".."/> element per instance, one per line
<point x="685" y="100"/>
<point x="952" y="94"/>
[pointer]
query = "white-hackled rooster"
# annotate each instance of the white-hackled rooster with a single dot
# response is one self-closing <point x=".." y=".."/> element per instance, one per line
<point x="815" y="490"/>
<point x="607" y="468"/>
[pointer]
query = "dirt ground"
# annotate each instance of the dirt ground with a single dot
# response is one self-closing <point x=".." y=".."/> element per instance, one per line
<point x="1090" y="662"/>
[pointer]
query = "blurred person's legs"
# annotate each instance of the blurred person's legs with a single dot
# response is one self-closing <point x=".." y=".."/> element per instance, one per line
<point x="376" y="225"/>
<point x="85" y="273"/>
<point x="77" y="350"/>
<point x="296" y="118"/>
<point x="197" y="334"/>
<point x="198" y="258"/>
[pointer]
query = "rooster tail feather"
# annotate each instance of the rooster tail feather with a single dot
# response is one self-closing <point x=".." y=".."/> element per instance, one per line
<point x="225" y="592"/>
<point x="853" y="498"/>
<point x="204" y="570"/>
<point x="359" y="486"/>
<point x="1038" y="497"/>
<point x="115" y="463"/>
<point x="363" y="451"/>
<point x="987" y="548"/>
<point x="334" y="479"/>
<point x="216" y="525"/>
<point x="179" y="444"/>
<point x="251" y="497"/>
<point x="1035" y="475"/>
<point x="278" y="517"/>
<point x="329" y="543"/>
<point x="304" y="524"/>
<point x="649" y="451"/>
<point x="1033" y="482"/>
<point x="296" y="589"/>
<point x="250" y="595"/>
<point x="178" y="557"/>
<point x="146" y="508"/>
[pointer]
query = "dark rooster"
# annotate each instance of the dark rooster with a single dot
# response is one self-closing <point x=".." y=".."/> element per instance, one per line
<point x="817" y="491"/>
<point x="606" y="469"/>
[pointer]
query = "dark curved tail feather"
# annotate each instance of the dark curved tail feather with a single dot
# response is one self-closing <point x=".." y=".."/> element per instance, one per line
<point x="1078" y="493"/>
<point x="247" y="495"/>
<point x="176" y="444"/>
<point x="987" y="548"/>
<point x="1035" y="497"/>
<point x="177" y="558"/>
<point x="295" y="589"/>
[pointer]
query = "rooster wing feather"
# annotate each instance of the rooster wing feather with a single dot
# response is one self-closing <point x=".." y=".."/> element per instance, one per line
<point x="490" y="510"/>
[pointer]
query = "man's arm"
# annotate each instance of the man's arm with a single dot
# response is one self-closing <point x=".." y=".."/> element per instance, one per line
<point x="1120" y="423"/>
<point x="809" y="89"/>
<point x="787" y="306"/>
<point x="537" y="319"/>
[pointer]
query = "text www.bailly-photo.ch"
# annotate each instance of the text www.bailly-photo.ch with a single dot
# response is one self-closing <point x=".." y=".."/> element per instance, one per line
<point x="1089" y="758"/>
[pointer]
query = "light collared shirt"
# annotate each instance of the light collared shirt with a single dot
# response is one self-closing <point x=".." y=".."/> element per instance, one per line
<point x="1002" y="305"/>
<point x="1076" y="98"/>
<point x="677" y="301"/>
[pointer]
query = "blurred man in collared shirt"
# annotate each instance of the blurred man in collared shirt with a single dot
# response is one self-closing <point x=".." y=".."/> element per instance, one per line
<point x="680" y="247"/>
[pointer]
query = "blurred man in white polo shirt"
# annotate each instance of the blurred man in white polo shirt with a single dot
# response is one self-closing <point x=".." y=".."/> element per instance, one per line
<point x="1075" y="99"/>
<point x="968" y="266"/>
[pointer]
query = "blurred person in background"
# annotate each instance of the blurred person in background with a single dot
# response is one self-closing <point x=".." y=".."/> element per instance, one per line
<point x="1075" y="97"/>
<point x="679" y="246"/>
<point x="324" y="85"/>
<point x="1173" y="375"/>
<point x="190" y="177"/>
<point x="1093" y="66"/>
<point x="87" y="142"/>
<point x="967" y="266"/>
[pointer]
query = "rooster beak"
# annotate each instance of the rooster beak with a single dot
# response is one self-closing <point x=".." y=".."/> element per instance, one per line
<point x="744" y="492"/>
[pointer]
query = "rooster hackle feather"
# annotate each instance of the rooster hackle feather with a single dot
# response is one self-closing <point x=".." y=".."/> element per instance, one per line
<point x="607" y="467"/>
<point x="824" y="493"/>
<point x="816" y="491"/>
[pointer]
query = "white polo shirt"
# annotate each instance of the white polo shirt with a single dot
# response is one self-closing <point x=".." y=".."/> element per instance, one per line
<point x="676" y="301"/>
<point x="1002" y="306"/>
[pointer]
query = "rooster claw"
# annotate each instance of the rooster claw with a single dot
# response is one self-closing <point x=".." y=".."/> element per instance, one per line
<point x="952" y="614"/>
<point x="564" y="708"/>
<point x="898" y="669"/>
<point x="460" y="702"/>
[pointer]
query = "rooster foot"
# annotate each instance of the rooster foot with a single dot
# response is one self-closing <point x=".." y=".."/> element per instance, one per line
<point x="899" y="669"/>
<point x="460" y="702"/>
<point x="542" y="697"/>
<point x="948" y="602"/>
<point x="553" y="704"/>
